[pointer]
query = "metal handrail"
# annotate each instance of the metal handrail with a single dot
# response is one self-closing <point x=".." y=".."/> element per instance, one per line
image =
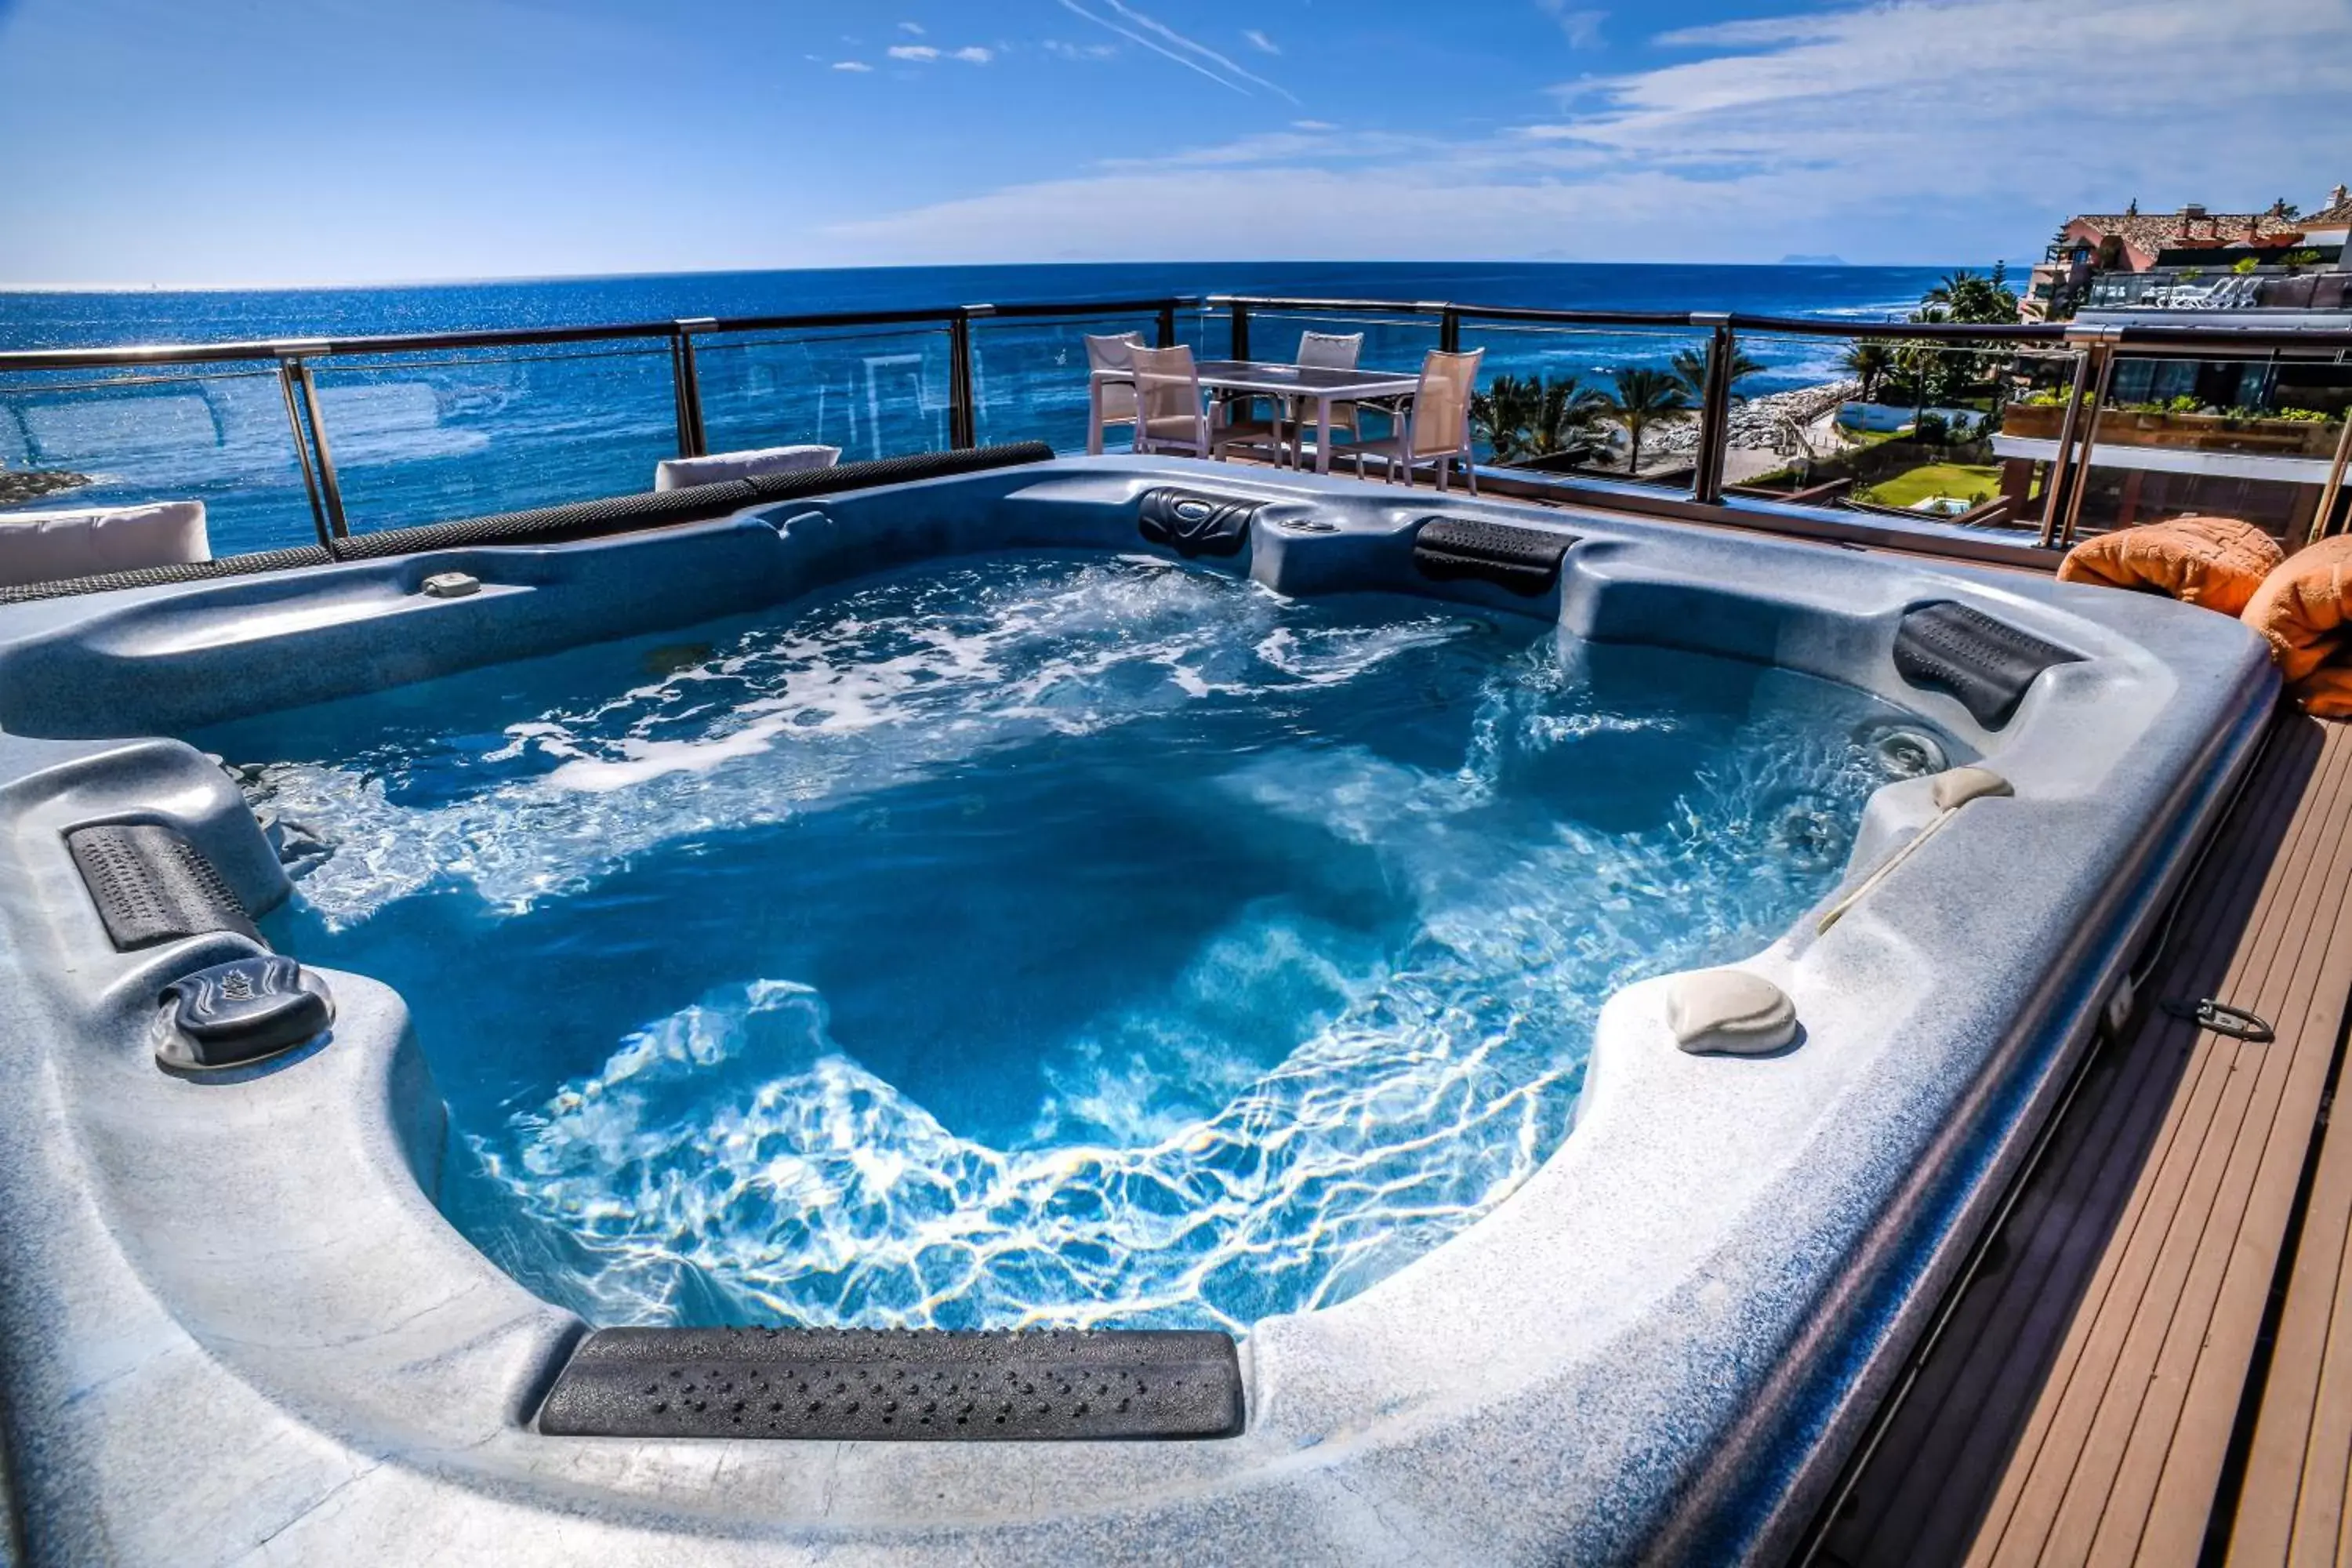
<point x="1693" y="320"/>
<point x="2208" y="340"/>
<point x="523" y="337"/>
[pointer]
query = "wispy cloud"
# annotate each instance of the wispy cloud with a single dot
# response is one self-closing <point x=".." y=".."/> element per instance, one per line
<point x="1060" y="48"/>
<point x="1165" y="41"/>
<point x="913" y="52"/>
<point x="1260" y="42"/>
<point x="1314" y="141"/>
<point x="1850" y="129"/>
<point x="851" y="66"/>
<point x="914" y="28"/>
<point x="974" y="54"/>
<point x="1582" y="24"/>
<point x="1881" y="77"/>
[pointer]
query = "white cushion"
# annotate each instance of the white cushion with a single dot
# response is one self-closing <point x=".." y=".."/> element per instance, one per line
<point x="677" y="473"/>
<point x="44" y="546"/>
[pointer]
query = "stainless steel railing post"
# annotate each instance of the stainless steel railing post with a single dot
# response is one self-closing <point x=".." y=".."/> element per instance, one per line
<point x="1167" y="324"/>
<point x="2053" y="494"/>
<point x="330" y="489"/>
<point x="685" y="384"/>
<point x="326" y="492"/>
<point x="1714" y="411"/>
<point x="962" y="425"/>
<point x="286" y="380"/>
<point x="2081" y="484"/>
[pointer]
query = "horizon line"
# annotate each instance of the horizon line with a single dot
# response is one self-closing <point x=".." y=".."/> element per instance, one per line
<point x="520" y="278"/>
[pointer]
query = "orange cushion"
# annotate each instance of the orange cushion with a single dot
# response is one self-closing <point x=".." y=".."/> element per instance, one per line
<point x="2216" y="562"/>
<point x="2327" y="692"/>
<point x="2300" y="610"/>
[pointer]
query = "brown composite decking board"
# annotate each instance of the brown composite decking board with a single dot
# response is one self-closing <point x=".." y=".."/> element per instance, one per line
<point x="2121" y="1455"/>
<point x="1918" y="1498"/>
<point x="2292" y="1508"/>
<point x="2323" y="979"/>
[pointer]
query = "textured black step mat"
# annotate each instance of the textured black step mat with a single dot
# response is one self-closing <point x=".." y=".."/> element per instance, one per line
<point x="920" y="1385"/>
<point x="1988" y="664"/>
<point x="151" y="885"/>
<point x="1524" y="560"/>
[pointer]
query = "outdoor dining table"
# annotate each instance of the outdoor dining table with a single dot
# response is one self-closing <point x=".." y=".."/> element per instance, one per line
<point x="1251" y="378"/>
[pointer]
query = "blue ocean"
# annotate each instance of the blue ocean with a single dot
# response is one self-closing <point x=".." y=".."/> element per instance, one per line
<point x="426" y="436"/>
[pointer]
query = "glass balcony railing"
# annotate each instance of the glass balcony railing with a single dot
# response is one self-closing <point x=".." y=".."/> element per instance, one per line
<point x="1987" y="433"/>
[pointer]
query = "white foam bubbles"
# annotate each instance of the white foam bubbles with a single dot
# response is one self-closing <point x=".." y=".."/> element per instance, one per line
<point x="834" y="705"/>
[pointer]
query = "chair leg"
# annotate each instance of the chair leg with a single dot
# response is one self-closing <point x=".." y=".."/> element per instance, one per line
<point x="1470" y="473"/>
<point x="1444" y="466"/>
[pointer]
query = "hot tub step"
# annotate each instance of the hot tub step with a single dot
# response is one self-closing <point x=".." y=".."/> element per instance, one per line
<point x="920" y="1385"/>
<point x="151" y="885"/>
<point x="1524" y="560"/>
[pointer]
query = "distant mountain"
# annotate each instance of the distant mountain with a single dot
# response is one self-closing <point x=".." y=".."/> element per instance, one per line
<point x="1793" y="260"/>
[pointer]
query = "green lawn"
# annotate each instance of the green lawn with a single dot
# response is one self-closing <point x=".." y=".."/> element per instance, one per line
<point x="1968" y="481"/>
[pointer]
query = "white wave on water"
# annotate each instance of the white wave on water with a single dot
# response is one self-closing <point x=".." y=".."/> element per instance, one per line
<point x="880" y="684"/>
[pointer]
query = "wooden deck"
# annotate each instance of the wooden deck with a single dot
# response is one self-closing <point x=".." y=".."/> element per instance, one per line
<point x="2292" y="1508"/>
<point x="2122" y="1379"/>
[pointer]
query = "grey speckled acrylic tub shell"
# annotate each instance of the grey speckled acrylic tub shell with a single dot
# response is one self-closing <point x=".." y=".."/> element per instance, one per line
<point x="233" y="1324"/>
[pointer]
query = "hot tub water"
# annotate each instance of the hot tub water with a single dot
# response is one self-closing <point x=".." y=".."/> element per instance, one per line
<point x="1037" y="938"/>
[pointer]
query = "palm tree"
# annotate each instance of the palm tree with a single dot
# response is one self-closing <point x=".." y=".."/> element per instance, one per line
<point x="1534" y="416"/>
<point x="1567" y="423"/>
<point x="1646" y="397"/>
<point x="1690" y="370"/>
<point x="1963" y="296"/>
<point x="1868" y="362"/>
<point x="1501" y="415"/>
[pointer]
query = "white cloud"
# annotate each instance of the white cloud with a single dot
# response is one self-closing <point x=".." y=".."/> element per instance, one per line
<point x="1313" y="125"/>
<point x="1899" y="130"/>
<point x="924" y="53"/>
<point x="1061" y="50"/>
<point x="914" y="28"/>
<point x="1138" y="29"/>
<point x="851" y="66"/>
<point x="1312" y="141"/>
<point x="1582" y="24"/>
<point x="1259" y="41"/>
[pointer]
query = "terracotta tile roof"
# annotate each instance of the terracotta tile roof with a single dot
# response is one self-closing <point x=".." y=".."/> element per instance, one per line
<point x="2146" y="234"/>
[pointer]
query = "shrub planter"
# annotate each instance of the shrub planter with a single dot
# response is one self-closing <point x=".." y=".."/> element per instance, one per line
<point x="2191" y="432"/>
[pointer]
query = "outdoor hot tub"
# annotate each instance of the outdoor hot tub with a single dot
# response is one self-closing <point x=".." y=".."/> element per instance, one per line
<point x="1235" y="927"/>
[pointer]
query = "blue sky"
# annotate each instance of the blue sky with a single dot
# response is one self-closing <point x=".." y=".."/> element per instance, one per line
<point x="227" y="142"/>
